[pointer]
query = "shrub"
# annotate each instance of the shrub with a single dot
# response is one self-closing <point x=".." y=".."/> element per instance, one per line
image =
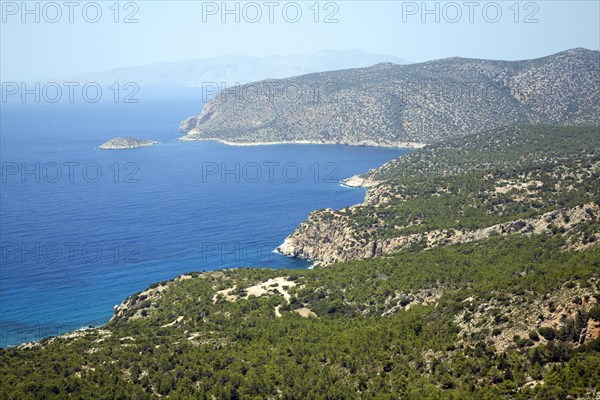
<point x="524" y="343"/>
<point x="547" y="332"/>
<point x="500" y="319"/>
<point x="595" y="313"/>
<point x="404" y="301"/>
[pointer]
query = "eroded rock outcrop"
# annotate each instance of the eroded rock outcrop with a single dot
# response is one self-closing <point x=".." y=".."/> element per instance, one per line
<point x="327" y="237"/>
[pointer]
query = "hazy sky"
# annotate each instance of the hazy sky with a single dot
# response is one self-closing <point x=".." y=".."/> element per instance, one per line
<point x="55" y="47"/>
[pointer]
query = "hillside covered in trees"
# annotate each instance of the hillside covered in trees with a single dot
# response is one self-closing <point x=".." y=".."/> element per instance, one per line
<point x="511" y="313"/>
<point x="527" y="179"/>
<point x="391" y="105"/>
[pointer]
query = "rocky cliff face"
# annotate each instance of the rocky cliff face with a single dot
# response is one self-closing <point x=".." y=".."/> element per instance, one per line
<point x="391" y="104"/>
<point x="520" y="180"/>
<point x="327" y="238"/>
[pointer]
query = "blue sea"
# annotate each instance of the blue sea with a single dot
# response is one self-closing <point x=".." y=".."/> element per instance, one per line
<point x="81" y="228"/>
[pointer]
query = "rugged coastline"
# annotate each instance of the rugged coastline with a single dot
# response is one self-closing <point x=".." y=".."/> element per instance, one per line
<point x="508" y="197"/>
<point x="328" y="235"/>
<point x="516" y="301"/>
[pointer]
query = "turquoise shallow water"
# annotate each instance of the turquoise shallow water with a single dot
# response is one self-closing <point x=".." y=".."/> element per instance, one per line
<point x="82" y="228"/>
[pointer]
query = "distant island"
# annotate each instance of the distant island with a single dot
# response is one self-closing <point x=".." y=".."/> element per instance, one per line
<point x="121" y="143"/>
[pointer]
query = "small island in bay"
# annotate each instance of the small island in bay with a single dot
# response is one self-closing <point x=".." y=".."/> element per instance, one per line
<point x="120" y="143"/>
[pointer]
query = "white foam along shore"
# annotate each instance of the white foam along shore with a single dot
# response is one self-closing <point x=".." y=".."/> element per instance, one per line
<point x="405" y="145"/>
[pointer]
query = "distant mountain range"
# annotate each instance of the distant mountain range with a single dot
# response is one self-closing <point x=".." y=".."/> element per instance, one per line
<point x="235" y="68"/>
<point x="389" y="104"/>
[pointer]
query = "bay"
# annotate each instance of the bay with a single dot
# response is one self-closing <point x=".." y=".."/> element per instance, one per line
<point x="81" y="228"/>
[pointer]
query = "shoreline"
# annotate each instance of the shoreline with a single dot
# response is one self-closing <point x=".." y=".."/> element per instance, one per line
<point x="102" y="326"/>
<point x="352" y="182"/>
<point x="400" y="145"/>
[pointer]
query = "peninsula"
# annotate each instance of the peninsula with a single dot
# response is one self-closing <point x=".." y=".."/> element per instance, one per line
<point x="405" y="105"/>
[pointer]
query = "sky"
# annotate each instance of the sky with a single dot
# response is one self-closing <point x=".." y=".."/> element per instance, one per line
<point x="41" y="40"/>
